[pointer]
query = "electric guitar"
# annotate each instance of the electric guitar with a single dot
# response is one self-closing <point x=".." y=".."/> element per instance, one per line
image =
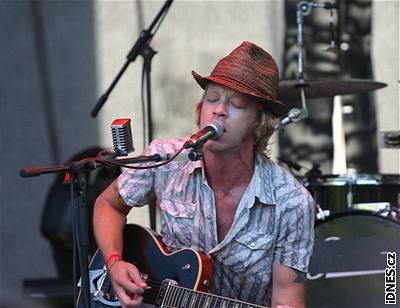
<point x="179" y="279"/>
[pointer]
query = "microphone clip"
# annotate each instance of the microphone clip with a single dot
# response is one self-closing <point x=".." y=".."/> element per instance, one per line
<point x="196" y="153"/>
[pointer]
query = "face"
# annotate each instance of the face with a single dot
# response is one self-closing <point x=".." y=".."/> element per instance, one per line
<point x="236" y="112"/>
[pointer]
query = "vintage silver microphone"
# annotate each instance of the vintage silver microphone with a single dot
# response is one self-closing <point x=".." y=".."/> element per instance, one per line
<point x="122" y="137"/>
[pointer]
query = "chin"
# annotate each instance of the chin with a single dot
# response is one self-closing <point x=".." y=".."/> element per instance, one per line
<point x="214" y="146"/>
<point x="217" y="146"/>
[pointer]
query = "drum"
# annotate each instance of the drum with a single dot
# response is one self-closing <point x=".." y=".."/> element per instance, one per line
<point x="349" y="259"/>
<point x="359" y="191"/>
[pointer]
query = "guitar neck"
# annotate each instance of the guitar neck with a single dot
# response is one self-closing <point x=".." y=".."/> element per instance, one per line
<point x="176" y="296"/>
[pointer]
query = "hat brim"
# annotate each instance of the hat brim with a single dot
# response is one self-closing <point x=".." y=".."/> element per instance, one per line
<point x="277" y="108"/>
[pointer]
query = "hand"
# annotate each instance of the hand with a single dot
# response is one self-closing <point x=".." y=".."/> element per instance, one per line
<point x="127" y="283"/>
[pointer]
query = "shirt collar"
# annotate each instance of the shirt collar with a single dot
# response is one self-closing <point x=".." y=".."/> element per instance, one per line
<point x="260" y="186"/>
<point x="261" y="183"/>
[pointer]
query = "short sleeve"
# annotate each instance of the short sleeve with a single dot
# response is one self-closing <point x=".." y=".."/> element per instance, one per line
<point x="295" y="237"/>
<point x="135" y="185"/>
<point x="139" y="186"/>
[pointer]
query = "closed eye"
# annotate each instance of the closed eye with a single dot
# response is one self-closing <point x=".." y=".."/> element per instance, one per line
<point x="238" y="106"/>
<point x="238" y="103"/>
<point x="212" y="98"/>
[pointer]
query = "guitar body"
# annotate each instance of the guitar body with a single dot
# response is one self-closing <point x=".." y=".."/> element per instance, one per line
<point x="144" y="248"/>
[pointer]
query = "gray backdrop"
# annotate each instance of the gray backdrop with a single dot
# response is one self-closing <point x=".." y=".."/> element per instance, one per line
<point x="58" y="57"/>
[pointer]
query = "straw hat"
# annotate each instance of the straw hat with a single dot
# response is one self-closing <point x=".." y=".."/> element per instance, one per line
<point x="249" y="70"/>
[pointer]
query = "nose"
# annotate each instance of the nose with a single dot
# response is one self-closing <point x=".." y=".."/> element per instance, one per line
<point x="220" y="109"/>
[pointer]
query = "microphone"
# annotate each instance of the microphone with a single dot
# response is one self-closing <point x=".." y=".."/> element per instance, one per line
<point x="212" y="130"/>
<point x="122" y="137"/>
<point x="294" y="115"/>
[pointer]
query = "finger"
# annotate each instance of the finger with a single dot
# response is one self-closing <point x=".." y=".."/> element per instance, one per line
<point x="132" y="286"/>
<point x="125" y="289"/>
<point x="136" y="278"/>
<point x="127" y="299"/>
<point x="128" y="276"/>
<point x="128" y="302"/>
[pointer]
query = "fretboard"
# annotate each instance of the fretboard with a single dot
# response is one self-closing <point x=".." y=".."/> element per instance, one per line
<point x="179" y="297"/>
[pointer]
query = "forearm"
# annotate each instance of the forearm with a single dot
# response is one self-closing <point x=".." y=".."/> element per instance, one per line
<point x="109" y="218"/>
<point x="108" y="225"/>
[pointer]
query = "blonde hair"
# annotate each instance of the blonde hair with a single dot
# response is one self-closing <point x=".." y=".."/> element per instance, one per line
<point x="263" y="130"/>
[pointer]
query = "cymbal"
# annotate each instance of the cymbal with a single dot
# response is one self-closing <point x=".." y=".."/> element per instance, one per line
<point x="290" y="89"/>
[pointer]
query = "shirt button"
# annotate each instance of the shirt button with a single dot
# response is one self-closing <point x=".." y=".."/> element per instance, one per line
<point x="243" y="280"/>
<point x="253" y="245"/>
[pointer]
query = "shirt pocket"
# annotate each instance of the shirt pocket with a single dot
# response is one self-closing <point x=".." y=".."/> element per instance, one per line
<point x="256" y="241"/>
<point x="177" y="222"/>
<point x="251" y="252"/>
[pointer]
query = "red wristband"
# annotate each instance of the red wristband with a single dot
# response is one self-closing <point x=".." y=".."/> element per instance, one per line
<point x="114" y="257"/>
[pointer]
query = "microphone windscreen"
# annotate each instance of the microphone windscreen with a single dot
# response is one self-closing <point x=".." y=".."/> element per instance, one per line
<point x="122" y="137"/>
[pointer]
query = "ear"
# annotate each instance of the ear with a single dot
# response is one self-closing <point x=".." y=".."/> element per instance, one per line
<point x="197" y="110"/>
<point x="260" y="114"/>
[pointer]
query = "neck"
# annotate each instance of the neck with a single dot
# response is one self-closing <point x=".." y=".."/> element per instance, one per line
<point x="227" y="169"/>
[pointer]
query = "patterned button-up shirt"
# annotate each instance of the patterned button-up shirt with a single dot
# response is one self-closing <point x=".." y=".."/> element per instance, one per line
<point x="273" y="221"/>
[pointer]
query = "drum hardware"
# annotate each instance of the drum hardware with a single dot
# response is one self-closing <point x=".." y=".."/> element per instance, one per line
<point x="304" y="8"/>
<point x="314" y="173"/>
<point x="377" y="193"/>
<point x="292" y="89"/>
<point x="291" y="164"/>
<point x="372" y="206"/>
<point x="321" y="214"/>
<point x="348" y="192"/>
<point x="390" y="139"/>
<point x="333" y="48"/>
<point x="390" y="212"/>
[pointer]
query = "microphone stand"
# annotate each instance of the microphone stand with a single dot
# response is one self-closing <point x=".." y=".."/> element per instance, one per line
<point x="78" y="171"/>
<point x="143" y="48"/>
<point x="142" y="41"/>
<point x="148" y="54"/>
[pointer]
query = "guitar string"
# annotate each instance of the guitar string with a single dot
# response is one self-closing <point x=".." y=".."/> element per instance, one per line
<point x="155" y="287"/>
<point x="213" y="299"/>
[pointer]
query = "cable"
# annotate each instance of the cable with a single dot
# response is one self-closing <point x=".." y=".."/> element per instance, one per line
<point x="101" y="160"/>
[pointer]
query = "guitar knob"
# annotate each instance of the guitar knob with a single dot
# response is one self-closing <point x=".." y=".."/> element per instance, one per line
<point x="144" y="277"/>
<point x="206" y="283"/>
